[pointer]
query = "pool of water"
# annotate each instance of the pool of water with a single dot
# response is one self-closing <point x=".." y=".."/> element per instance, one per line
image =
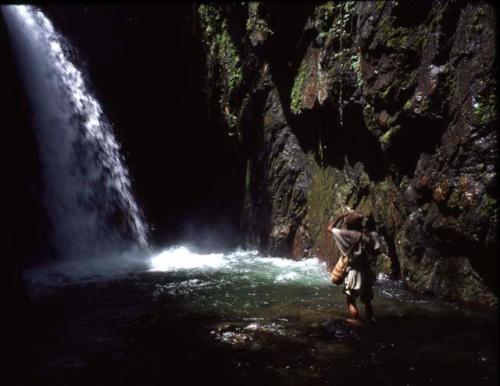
<point x="245" y="284"/>
<point x="241" y="314"/>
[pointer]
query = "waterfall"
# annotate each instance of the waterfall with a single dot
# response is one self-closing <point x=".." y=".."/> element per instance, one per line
<point x="88" y="190"/>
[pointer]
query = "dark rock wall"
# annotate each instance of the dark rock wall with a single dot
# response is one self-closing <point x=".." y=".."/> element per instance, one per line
<point x="385" y="107"/>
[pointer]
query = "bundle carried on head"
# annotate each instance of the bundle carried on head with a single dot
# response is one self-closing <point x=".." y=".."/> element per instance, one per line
<point x="354" y="221"/>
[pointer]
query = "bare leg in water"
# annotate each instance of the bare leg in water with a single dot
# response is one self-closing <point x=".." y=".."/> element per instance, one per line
<point x="353" y="310"/>
<point x="366" y="298"/>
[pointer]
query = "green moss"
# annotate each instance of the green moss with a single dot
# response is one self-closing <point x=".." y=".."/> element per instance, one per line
<point x="397" y="41"/>
<point x="399" y="38"/>
<point x="407" y="105"/>
<point x="384" y="185"/>
<point x="327" y="8"/>
<point x="356" y="68"/>
<point x="380" y="5"/>
<point x="210" y="19"/>
<point x="349" y="7"/>
<point x="385" y="25"/>
<point x="232" y="120"/>
<point x="229" y="59"/>
<point x="488" y="206"/>
<point x="455" y="200"/>
<point x="325" y="12"/>
<point x="221" y="47"/>
<point x="330" y="192"/>
<point x="386" y="138"/>
<point x="386" y="92"/>
<point x="369" y="116"/>
<point x="485" y="109"/>
<point x="405" y="182"/>
<point x="298" y="87"/>
<point x="256" y="26"/>
<point x="320" y="200"/>
<point x="333" y="19"/>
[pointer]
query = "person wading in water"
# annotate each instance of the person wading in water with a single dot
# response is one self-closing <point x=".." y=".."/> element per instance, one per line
<point x="359" y="247"/>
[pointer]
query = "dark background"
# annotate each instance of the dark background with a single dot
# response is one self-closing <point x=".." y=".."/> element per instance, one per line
<point x="145" y="66"/>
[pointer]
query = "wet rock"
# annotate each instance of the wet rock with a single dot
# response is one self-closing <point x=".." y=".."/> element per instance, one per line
<point x="384" y="107"/>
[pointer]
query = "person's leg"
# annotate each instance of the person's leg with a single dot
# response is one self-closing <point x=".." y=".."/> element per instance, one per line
<point x="353" y="310"/>
<point x="366" y="298"/>
<point x="369" y="310"/>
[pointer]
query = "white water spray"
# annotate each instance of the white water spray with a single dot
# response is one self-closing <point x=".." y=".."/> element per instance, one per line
<point x="241" y="263"/>
<point x="88" y="190"/>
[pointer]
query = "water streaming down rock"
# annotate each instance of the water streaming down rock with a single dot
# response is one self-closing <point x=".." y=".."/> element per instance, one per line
<point x="88" y="190"/>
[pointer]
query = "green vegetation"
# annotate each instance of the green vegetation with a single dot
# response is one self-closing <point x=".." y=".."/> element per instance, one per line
<point x="334" y="19"/>
<point x="232" y="121"/>
<point x="320" y="206"/>
<point x="256" y="26"/>
<point x="399" y="38"/>
<point x="323" y="14"/>
<point x="455" y="200"/>
<point x="355" y="66"/>
<point x="488" y="206"/>
<point x="384" y="185"/>
<point x="369" y="116"/>
<point x="229" y="59"/>
<point x="298" y="87"/>
<point x="330" y="192"/>
<point x="386" y="92"/>
<point x="485" y="109"/>
<point x="325" y="11"/>
<point x="380" y="5"/>
<point x="221" y="47"/>
<point x="386" y="138"/>
<point x="210" y="18"/>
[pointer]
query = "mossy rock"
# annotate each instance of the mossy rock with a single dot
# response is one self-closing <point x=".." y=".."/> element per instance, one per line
<point x="485" y="110"/>
<point x="257" y="28"/>
<point x="306" y="72"/>
<point x="221" y="49"/>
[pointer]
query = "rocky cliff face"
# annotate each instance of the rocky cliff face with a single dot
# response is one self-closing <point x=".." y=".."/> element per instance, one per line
<point x="385" y="107"/>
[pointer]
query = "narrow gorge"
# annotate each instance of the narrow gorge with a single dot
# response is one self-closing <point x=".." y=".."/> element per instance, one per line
<point x="170" y="172"/>
<point x="384" y="107"/>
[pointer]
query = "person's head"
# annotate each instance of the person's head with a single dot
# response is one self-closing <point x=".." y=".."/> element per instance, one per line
<point x="354" y="221"/>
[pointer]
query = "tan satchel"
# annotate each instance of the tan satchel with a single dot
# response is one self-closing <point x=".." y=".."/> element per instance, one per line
<point x="339" y="271"/>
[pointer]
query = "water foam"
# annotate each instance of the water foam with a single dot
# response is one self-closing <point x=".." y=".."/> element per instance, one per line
<point x="181" y="258"/>
<point x="246" y="265"/>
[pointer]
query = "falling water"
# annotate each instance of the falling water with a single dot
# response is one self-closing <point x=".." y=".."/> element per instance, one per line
<point x="88" y="190"/>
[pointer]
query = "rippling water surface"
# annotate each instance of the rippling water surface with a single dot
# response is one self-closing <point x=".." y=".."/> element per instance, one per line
<point x="248" y="317"/>
<point x="248" y="285"/>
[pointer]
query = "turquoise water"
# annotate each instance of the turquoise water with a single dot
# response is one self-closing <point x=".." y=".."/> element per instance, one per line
<point x="272" y="293"/>
<point x="251" y="318"/>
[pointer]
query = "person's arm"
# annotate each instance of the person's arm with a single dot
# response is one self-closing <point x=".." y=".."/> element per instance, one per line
<point x="333" y="224"/>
